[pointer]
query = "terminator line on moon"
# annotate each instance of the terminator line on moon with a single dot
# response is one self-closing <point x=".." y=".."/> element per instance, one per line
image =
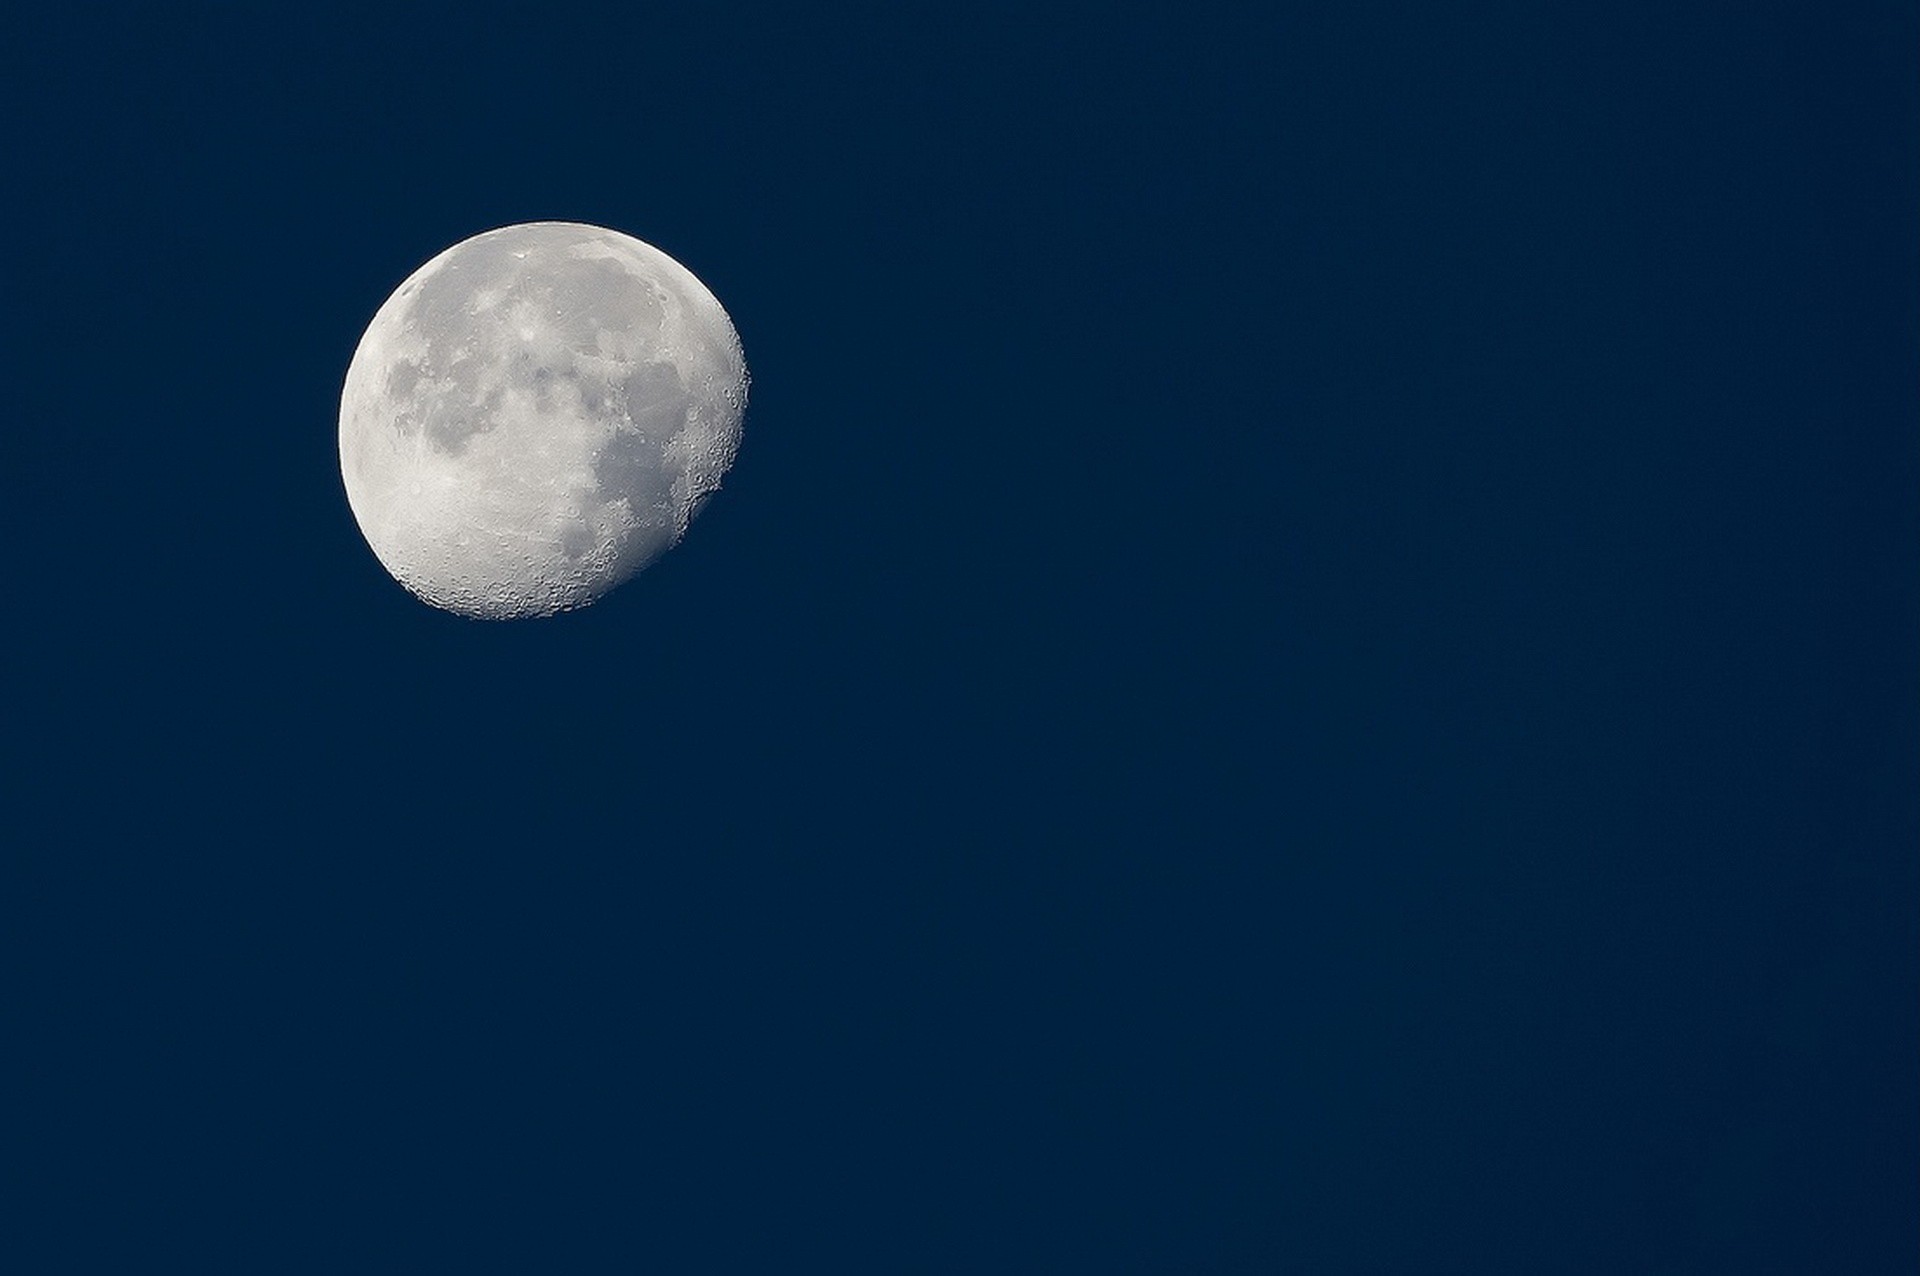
<point x="535" y="415"/>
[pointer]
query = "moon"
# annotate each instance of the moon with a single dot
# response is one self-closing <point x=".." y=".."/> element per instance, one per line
<point x="535" y="415"/>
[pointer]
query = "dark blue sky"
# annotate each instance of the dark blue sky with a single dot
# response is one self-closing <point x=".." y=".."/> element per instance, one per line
<point x="1309" y="664"/>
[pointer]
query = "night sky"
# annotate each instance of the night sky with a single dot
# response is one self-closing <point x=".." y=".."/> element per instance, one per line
<point x="1309" y="664"/>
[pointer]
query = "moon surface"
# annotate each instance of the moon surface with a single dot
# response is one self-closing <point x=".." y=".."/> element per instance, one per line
<point x="535" y="415"/>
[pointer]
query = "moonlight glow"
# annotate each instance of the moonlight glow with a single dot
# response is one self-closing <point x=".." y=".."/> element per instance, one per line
<point x="535" y="415"/>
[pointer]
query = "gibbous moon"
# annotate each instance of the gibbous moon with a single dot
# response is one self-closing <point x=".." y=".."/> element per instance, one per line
<point x="535" y="415"/>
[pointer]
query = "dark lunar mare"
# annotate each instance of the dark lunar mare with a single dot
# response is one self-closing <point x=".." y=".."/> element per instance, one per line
<point x="583" y="297"/>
